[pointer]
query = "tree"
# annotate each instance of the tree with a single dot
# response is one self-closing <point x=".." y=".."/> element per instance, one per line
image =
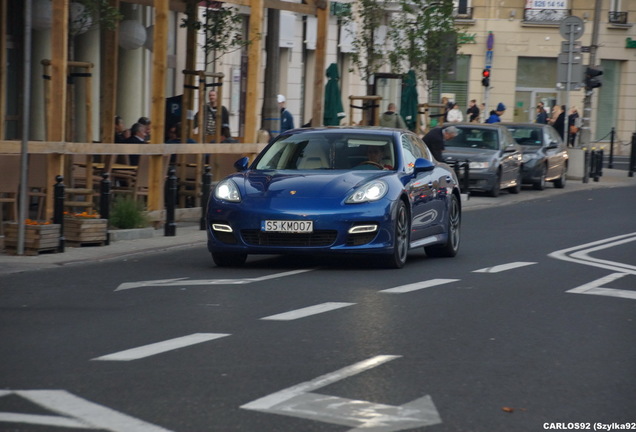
<point x="424" y="38"/>
<point x="365" y="19"/>
<point x="222" y="26"/>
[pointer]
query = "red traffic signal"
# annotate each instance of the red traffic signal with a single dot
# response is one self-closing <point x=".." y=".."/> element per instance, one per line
<point x="485" y="81"/>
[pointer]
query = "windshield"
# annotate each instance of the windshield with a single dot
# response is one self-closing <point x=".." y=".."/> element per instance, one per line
<point x="527" y="136"/>
<point x="475" y="138"/>
<point x="320" y="151"/>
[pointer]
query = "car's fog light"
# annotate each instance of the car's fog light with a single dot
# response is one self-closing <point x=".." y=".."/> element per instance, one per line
<point x="359" y="229"/>
<point x="221" y="227"/>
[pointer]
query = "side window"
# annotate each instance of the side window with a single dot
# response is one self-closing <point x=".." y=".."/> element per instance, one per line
<point x="409" y="153"/>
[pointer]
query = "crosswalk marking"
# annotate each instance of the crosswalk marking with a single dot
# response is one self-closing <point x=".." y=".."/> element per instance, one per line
<point x="417" y="286"/>
<point x="161" y="347"/>
<point x="307" y="311"/>
<point x="504" y="267"/>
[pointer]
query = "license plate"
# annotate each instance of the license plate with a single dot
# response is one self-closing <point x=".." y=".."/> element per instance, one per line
<point x="287" y="226"/>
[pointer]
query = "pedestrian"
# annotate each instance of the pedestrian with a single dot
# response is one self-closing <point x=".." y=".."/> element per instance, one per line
<point x="495" y="115"/>
<point x="557" y="120"/>
<point x="542" y="115"/>
<point x="121" y="133"/>
<point x="286" y="118"/>
<point x="573" y="126"/>
<point x="390" y="118"/>
<point x="137" y="136"/>
<point x="436" y="138"/>
<point x="145" y="121"/>
<point x="473" y="111"/>
<point x="455" y="114"/>
<point x="210" y="114"/>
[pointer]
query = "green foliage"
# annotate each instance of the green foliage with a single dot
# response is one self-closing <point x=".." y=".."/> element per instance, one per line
<point x="127" y="213"/>
<point x="108" y="15"/>
<point x="425" y="38"/>
<point x="222" y="27"/>
<point x="368" y="57"/>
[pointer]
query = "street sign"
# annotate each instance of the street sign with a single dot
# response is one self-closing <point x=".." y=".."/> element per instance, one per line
<point x="299" y="401"/>
<point x="572" y="25"/>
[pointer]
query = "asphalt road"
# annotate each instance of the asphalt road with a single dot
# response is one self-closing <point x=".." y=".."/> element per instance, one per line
<point x="532" y="325"/>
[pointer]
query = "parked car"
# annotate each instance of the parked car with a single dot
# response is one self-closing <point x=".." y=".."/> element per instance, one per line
<point x="493" y="156"/>
<point x="341" y="190"/>
<point x="545" y="155"/>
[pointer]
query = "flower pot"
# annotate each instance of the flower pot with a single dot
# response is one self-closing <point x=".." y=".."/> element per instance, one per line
<point x="37" y="238"/>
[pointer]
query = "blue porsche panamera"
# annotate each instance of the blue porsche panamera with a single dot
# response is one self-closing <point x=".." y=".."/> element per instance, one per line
<point x="337" y="190"/>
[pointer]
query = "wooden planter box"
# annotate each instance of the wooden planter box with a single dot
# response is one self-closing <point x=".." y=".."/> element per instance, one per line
<point x="37" y="238"/>
<point x="82" y="231"/>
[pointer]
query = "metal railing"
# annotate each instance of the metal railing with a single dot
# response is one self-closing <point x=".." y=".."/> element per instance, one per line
<point x="550" y="16"/>
<point x="615" y="17"/>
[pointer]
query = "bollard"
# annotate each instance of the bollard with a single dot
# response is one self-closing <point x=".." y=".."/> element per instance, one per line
<point x="586" y="165"/>
<point x="104" y="201"/>
<point x="170" y="227"/>
<point x="205" y="195"/>
<point x="600" y="156"/>
<point x="594" y="161"/>
<point x="58" y="209"/>
<point x="610" y="163"/>
<point x="632" y="157"/>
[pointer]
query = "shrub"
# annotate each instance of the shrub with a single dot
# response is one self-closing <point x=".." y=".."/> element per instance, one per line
<point x="127" y="213"/>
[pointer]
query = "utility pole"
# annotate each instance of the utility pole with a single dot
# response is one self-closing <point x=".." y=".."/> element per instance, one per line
<point x="270" y="113"/>
<point x="586" y="133"/>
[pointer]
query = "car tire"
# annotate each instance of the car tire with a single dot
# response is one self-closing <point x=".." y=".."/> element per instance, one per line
<point x="229" y="259"/>
<point x="401" y="238"/>
<point x="496" y="188"/>
<point x="560" y="182"/>
<point x="516" y="188"/>
<point x="451" y="247"/>
<point x="540" y="184"/>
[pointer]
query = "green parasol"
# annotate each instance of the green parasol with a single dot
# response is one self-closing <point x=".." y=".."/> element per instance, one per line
<point x="408" y="106"/>
<point x="334" y="111"/>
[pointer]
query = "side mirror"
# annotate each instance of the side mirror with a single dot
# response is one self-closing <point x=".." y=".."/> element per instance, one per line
<point x="242" y="164"/>
<point x="422" y="165"/>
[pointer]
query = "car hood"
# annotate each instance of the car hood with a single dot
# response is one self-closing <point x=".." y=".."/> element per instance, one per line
<point x="462" y="153"/>
<point x="530" y="149"/>
<point x="302" y="184"/>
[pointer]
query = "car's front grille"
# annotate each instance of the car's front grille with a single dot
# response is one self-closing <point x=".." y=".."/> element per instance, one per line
<point x="360" y="239"/>
<point x="317" y="238"/>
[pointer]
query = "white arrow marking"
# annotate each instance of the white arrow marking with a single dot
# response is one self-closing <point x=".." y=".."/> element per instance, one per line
<point x="417" y="286"/>
<point x="595" y="288"/>
<point x="504" y="267"/>
<point x="298" y="401"/>
<point x="308" y="311"/>
<point x="580" y="254"/>
<point x="161" y="347"/>
<point x="77" y="413"/>
<point x="205" y="282"/>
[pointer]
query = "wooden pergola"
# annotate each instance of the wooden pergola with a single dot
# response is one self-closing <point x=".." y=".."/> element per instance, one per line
<point x="58" y="67"/>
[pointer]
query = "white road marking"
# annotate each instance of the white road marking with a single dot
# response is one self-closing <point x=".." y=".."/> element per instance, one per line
<point x="307" y="311"/>
<point x="418" y="286"/>
<point x="580" y="254"/>
<point x="205" y="282"/>
<point x="75" y="412"/>
<point x="161" y="347"/>
<point x="595" y="288"/>
<point x="504" y="267"/>
<point x="363" y="416"/>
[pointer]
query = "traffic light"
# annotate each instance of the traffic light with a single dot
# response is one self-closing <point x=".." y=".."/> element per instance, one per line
<point x="593" y="77"/>
<point x="485" y="81"/>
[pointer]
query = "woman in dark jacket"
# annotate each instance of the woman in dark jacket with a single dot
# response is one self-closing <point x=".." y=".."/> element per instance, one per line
<point x="559" y="124"/>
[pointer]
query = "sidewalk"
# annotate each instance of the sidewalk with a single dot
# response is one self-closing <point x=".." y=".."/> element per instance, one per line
<point x="188" y="233"/>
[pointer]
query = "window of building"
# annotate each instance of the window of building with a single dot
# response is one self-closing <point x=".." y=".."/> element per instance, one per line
<point x="608" y="97"/>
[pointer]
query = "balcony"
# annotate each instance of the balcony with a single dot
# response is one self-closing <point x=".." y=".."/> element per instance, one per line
<point x="617" y="17"/>
<point x="545" y="16"/>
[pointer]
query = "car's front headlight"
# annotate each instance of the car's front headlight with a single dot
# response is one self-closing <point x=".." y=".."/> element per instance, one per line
<point x="227" y="190"/>
<point x="371" y="191"/>
<point x="479" y="165"/>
